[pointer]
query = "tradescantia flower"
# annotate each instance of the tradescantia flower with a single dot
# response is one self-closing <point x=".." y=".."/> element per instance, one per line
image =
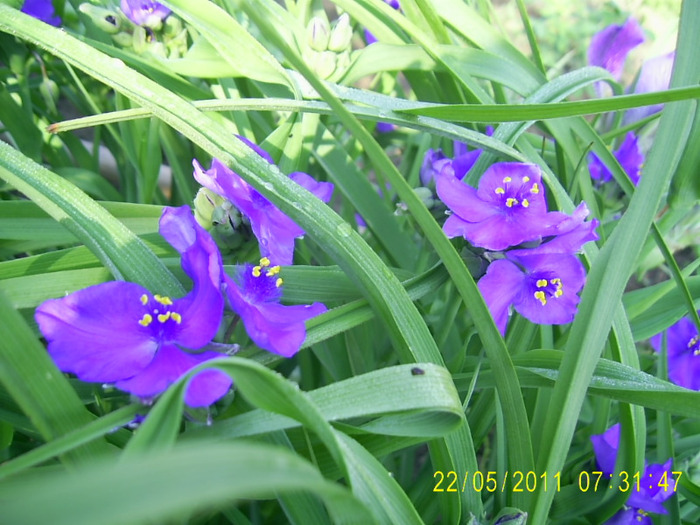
<point x="121" y="333"/>
<point x="629" y="155"/>
<point x="609" y="47"/>
<point x="254" y="293"/>
<point x="542" y="287"/>
<point x="145" y="12"/>
<point x="507" y="209"/>
<point x="274" y="230"/>
<point x="683" y="350"/>
<point x="541" y="283"/>
<point x="656" y="483"/>
<point x="41" y="10"/>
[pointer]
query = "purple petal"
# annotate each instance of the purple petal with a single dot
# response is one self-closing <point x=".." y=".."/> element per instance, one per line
<point x="270" y="325"/>
<point x="385" y="127"/>
<point x="169" y="364"/>
<point x="630" y="157"/>
<point x="605" y="448"/>
<point x="655" y="75"/>
<point x="463" y="163"/>
<point x="651" y="495"/>
<point x="369" y="37"/>
<point x="500" y="287"/>
<point x="41" y="10"/>
<point x="462" y="199"/>
<point x="683" y="348"/>
<point x="95" y="332"/>
<point x="223" y="181"/>
<point x="553" y="282"/>
<point x="322" y="190"/>
<point x="597" y="169"/>
<point x="609" y="47"/>
<point x="144" y="12"/>
<point x="570" y="233"/>
<point x="433" y="163"/>
<point x="201" y="310"/>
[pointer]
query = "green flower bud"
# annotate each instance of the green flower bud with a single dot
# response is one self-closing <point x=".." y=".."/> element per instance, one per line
<point x="341" y="34"/>
<point x="317" y="34"/>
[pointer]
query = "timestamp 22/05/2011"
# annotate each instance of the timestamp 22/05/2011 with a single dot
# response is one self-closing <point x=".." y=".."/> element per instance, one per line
<point x="519" y="481"/>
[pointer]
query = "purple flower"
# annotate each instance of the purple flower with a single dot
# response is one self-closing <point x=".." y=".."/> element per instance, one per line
<point x="683" y="347"/>
<point x="647" y="495"/>
<point x="369" y="37"/>
<point x="118" y="332"/>
<point x="275" y="231"/>
<point x="655" y="75"/>
<point x="629" y="155"/>
<point x="254" y="294"/>
<point x="385" y="127"/>
<point x="508" y="208"/>
<point x="434" y="161"/>
<point x="609" y="47"/>
<point x="41" y="10"/>
<point x="542" y="287"/>
<point x="144" y="12"/>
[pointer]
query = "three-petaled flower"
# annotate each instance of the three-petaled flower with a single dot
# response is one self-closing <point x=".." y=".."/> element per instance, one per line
<point x="507" y="209"/>
<point x="121" y="333"/>
<point x="274" y="230"/>
<point x="656" y="486"/>
<point x="254" y="293"/>
<point x="683" y="350"/>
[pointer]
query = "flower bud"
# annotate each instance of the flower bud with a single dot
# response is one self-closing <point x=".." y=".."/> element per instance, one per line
<point x="317" y="33"/>
<point x="341" y="34"/>
<point x="105" y="19"/>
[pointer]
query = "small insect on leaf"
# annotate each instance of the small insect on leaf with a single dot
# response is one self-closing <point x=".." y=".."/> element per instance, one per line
<point x="417" y="371"/>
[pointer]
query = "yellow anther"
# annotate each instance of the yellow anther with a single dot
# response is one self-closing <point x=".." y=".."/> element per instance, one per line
<point x="162" y="299"/>
<point x="163" y="317"/>
<point x="146" y="320"/>
<point x="693" y="341"/>
<point x="507" y="179"/>
<point x="256" y="271"/>
<point x="510" y="202"/>
<point x="525" y="203"/>
<point x="556" y="280"/>
<point x="144" y="299"/>
<point x="526" y="179"/>
<point x="559" y="292"/>
<point x="500" y="191"/>
<point x="176" y="317"/>
<point x="541" y="297"/>
<point x="535" y="188"/>
<point x="541" y="283"/>
<point x="274" y="270"/>
<point x="279" y="282"/>
<point x="264" y="262"/>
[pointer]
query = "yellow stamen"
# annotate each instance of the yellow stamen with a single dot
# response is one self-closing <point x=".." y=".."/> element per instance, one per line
<point x="541" y="283"/>
<point x="507" y="179"/>
<point x="541" y="297"/>
<point x="163" y="317"/>
<point x="526" y="179"/>
<point x="144" y="299"/>
<point x="279" y="282"/>
<point x="510" y="202"/>
<point x="264" y="262"/>
<point x="525" y="203"/>
<point x="693" y="341"/>
<point x="256" y="271"/>
<point x="535" y="188"/>
<point x="273" y="271"/>
<point x="176" y="317"/>
<point x="500" y="191"/>
<point x="146" y="320"/>
<point x="164" y="300"/>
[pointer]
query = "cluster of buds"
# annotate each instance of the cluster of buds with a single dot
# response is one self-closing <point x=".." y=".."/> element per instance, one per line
<point x="328" y="51"/>
<point x="158" y="33"/>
